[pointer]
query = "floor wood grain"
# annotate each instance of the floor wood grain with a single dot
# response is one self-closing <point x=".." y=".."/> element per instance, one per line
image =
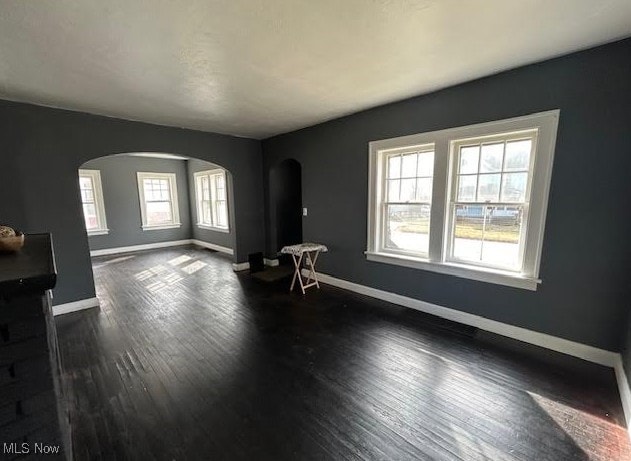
<point x="187" y="360"/>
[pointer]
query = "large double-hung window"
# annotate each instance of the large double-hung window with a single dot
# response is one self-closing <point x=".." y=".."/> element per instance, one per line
<point x="408" y="199"/>
<point x="158" y="200"/>
<point x="211" y="194"/>
<point x="92" y="202"/>
<point x="468" y="201"/>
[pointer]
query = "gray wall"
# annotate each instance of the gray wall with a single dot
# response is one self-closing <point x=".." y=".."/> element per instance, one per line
<point x="224" y="239"/>
<point x="122" y="204"/>
<point x="41" y="150"/>
<point x="585" y="263"/>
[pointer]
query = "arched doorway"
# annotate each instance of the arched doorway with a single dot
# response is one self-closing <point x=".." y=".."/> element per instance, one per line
<point x="151" y="199"/>
<point x="286" y="201"/>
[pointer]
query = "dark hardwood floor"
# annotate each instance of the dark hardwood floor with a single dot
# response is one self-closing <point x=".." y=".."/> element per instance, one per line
<point x="187" y="360"/>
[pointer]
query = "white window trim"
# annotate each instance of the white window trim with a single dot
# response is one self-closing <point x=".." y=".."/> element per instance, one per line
<point x="545" y="122"/>
<point x="171" y="177"/>
<point x="198" y="206"/>
<point x="95" y="175"/>
<point x="225" y="230"/>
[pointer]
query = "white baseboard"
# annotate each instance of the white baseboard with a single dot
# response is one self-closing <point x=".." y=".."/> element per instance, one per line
<point x="75" y="306"/>
<point x="582" y="351"/>
<point x="624" y="389"/>
<point x="237" y="267"/>
<point x="146" y="246"/>
<point x="245" y="266"/>
<point x="154" y="246"/>
<point x="565" y="346"/>
<point x="212" y="246"/>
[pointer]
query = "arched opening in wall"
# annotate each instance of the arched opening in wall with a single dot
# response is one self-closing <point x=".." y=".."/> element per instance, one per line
<point x="286" y="203"/>
<point x="147" y="201"/>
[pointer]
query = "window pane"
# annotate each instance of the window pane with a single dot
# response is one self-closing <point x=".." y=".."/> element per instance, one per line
<point x="425" y="165"/>
<point x="424" y="189"/>
<point x="518" y="155"/>
<point x="407" y="227"/>
<point x="89" y="214"/>
<point x="488" y="235"/>
<point x="466" y="188"/>
<point x="408" y="190"/>
<point x="514" y="187"/>
<point x="164" y="193"/>
<point x="147" y="185"/>
<point x="206" y="214"/>
<point x="221" y="193"/>
<point x="87" y="196"/>
<point x="393" y="190"/>
<point x="159" y="213"/>
<point x="394" y="166"/>
<point x="469" y="159"/>
<point x="86" y="187"/>
<point x="489" y="187"/>
<point x="491" y="158"/>
<point x="222" y="214"/>
<point x="85" y="182"/>
<point x="408" y="165"/>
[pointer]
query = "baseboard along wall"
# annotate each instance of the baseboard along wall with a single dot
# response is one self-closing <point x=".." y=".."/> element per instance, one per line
<point x="572" y="348"/>
<point x="575" y="349"/>
<point x="624" y="389"/>
<point x="154" y="246"/>
<point x="74" y="306"/>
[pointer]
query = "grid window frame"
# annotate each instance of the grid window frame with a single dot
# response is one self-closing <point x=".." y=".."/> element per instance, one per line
<point x="97" y="200"/>
<point x="389" y="179"/>
<point x="446" y="143"/>
<point x="455" y="178"/>
<point x="163" y="190"/>
<point x="211" y="198"/>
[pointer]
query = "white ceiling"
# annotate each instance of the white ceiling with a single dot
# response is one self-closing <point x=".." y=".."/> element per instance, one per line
<point x="261" y="67"/>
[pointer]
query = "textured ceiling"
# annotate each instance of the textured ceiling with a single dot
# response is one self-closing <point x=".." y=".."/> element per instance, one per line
<point x="261" y="67"/>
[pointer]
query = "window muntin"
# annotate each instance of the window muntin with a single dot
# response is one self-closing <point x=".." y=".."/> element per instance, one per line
<point x="211" y="197"/>
<point x="485" y="179"/>
<point x="92" y="202"/>
<point x="406" y="208"/>
<point x="158" y="200"/>
<point x="491" y="192"/>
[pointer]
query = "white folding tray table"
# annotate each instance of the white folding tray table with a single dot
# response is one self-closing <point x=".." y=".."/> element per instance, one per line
<point x="309" y="251"/>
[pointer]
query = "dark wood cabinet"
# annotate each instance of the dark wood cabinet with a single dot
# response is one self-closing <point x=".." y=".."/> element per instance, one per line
<point x="33" y="409"/>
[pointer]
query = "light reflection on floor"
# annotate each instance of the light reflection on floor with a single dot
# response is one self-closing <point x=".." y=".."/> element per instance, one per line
<point x="169" y="276"/>
<point x="113" y="261"/>
<point x="194" y="267"/>
<point x="597" y="437"/>
<point x="148" y="273"/>
<point x="179" y="260"/>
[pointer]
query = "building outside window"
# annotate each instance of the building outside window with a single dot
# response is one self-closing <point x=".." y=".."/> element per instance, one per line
<point x="468" y="201"/>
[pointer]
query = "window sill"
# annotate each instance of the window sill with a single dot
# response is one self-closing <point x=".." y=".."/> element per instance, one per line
<point x="458" y="270"/>
<point x="98" y="232"/>
<point x="166" y="226"/>
<point x="213" y="228"/>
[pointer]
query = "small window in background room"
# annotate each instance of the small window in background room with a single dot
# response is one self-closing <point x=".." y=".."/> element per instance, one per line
<point x="92" y="202"/>
<point x="158" y="201"/>
<point x="211" y="196"/>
